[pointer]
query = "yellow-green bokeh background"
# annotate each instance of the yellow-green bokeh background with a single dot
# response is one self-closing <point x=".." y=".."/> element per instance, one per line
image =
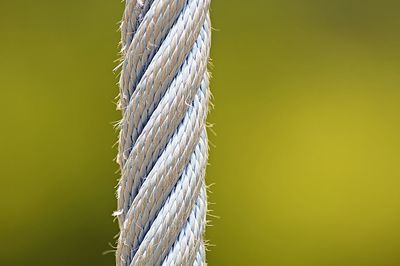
<point x="307" y="114"/>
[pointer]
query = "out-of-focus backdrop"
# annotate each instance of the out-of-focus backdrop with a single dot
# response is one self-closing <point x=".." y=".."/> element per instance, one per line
<point x="306" y="168"/>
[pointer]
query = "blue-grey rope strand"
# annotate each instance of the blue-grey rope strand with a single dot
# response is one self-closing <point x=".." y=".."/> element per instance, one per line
<point x="163" y="148"/>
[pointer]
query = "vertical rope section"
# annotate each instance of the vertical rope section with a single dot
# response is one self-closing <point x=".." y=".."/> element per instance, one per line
<point x="163" y="148"/>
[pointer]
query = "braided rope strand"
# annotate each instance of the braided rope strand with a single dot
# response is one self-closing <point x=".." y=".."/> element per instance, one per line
<point x="163" y="147"/>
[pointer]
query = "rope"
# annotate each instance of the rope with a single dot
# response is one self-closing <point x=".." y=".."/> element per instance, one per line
<point x="163" y="149"/>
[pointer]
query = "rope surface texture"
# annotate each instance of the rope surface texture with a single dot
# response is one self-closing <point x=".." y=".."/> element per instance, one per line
<point x="163" y="148"/>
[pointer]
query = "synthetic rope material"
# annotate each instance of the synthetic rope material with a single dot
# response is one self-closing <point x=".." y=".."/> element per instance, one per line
<point x="163" y="149"/>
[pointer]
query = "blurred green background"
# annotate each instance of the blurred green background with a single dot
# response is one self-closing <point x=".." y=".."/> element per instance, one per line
<point x="306" y="168"/>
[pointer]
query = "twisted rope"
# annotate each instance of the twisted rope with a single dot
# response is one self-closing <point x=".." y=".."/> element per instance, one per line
<point x="163" y="146"/>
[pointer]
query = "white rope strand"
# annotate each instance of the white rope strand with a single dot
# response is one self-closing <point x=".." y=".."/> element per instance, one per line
<point x="163" y="149"/>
